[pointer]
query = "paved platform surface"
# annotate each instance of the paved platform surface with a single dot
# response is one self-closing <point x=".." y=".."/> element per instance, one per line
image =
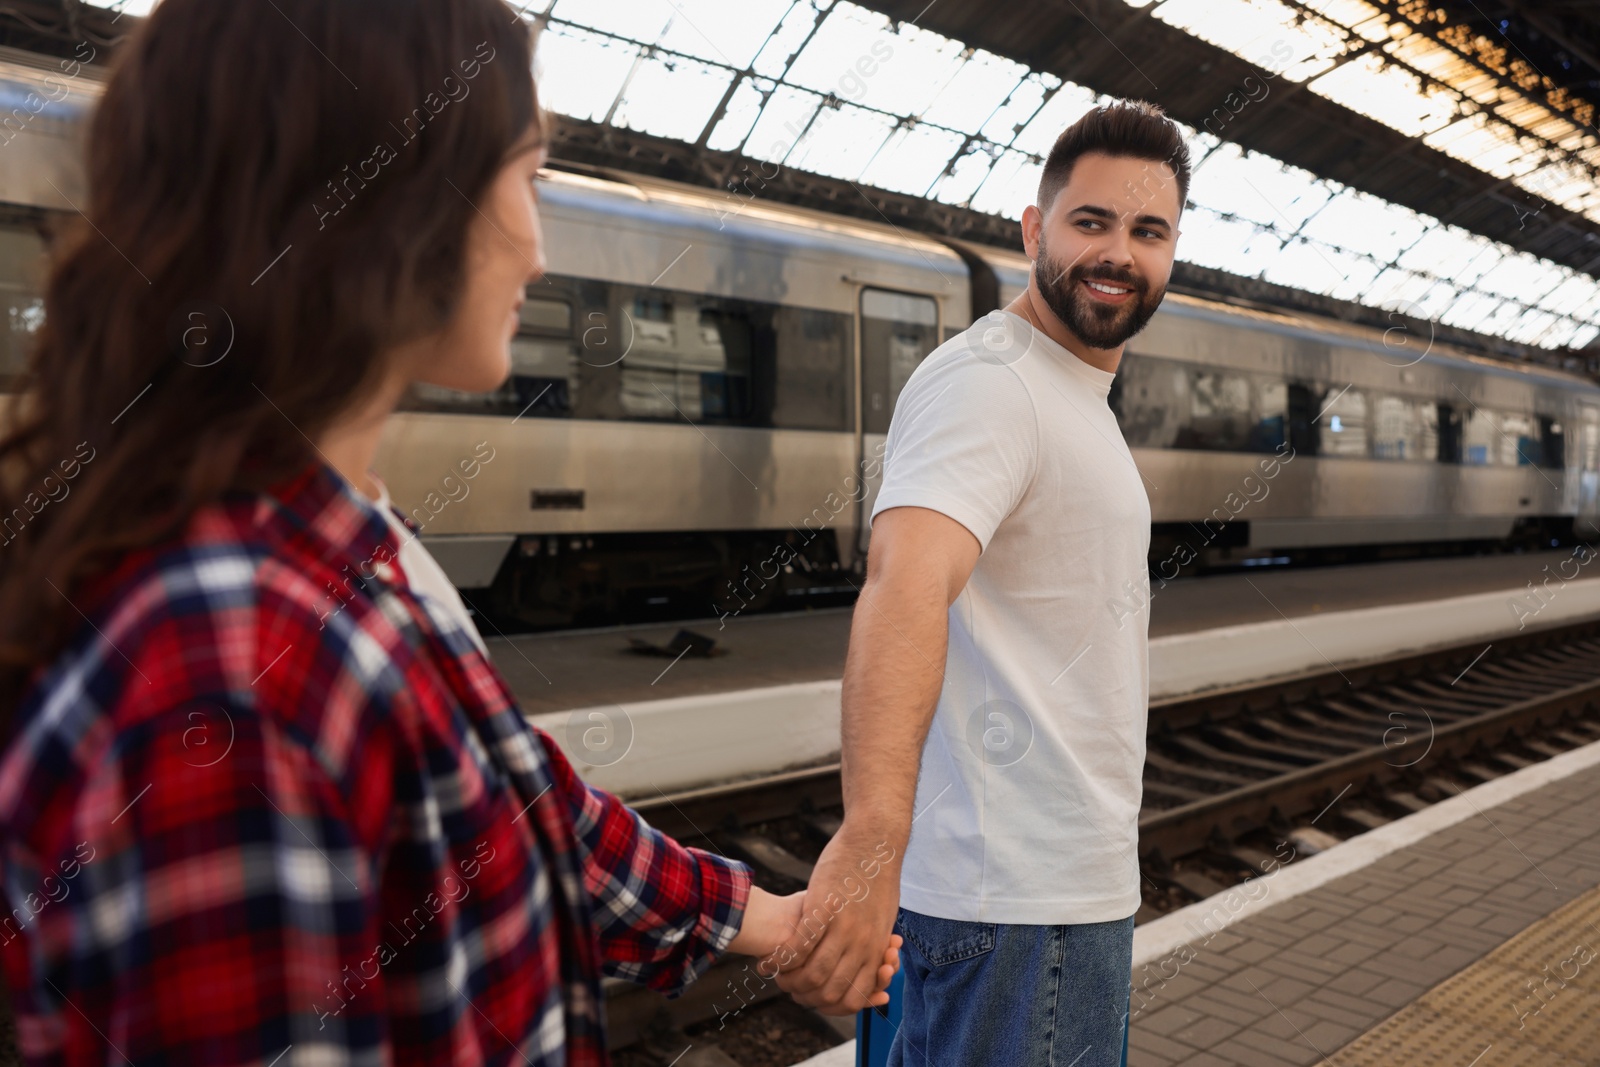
<point x="554" y="672"/>
<point x="1332" y="966"/>
<point x="1547" y="977"/>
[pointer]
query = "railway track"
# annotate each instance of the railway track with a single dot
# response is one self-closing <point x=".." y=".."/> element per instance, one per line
<point x="1233" y="779"/>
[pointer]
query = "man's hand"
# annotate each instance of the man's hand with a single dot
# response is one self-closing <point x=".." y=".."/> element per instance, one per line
<point x="844" y="952"/>
<point x="771" y="922"/>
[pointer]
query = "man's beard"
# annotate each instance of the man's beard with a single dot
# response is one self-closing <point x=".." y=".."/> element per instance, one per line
<point x="1095" y="324"/>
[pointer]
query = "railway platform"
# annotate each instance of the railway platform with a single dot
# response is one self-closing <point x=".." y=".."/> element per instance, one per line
<point x="658" y="727"/>
<point x="1464" y="935"/>
<point x="562" y="670"/>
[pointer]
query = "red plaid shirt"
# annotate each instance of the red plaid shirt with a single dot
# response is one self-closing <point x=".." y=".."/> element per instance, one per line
<point x="262" y="811"/>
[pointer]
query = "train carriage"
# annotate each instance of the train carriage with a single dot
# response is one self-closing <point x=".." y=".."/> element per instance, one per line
<point x="702" y="383"/>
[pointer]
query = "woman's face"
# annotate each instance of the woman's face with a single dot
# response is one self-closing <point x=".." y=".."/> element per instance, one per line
<point x="505" y="253"/>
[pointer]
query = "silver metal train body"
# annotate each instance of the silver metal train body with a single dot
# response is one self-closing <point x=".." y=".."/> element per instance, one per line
<point x="702" y="383"/>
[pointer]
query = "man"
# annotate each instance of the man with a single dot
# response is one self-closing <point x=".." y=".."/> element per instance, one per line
<point x="994" y="650"/>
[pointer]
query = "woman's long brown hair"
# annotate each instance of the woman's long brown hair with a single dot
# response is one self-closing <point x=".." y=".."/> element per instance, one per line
<point x="279" y="193"/>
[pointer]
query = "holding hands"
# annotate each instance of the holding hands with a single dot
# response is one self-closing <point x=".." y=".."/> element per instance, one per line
<point x="832" y="947"/>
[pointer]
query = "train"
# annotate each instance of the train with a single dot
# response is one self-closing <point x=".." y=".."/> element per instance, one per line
<point x="702" y="382"/>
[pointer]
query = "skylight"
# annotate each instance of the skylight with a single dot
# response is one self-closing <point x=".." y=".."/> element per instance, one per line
<point x="128" y="7"/>
<point x="830" y="87"/>
<point x="1450" y="88"/>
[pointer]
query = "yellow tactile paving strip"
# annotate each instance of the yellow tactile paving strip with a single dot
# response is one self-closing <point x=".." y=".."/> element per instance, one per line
<point x="1533" y="1001"/>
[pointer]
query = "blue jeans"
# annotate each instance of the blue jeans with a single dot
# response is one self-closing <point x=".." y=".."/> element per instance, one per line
<point x="1011" y="995"/>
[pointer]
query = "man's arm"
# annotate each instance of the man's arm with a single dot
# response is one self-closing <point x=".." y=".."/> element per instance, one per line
<point x="919" y="563"/>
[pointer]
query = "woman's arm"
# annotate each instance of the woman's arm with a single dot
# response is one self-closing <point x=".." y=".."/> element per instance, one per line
<point x="664" y="911"/>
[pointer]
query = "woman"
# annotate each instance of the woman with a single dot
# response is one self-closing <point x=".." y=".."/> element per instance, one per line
<point x="264" y="799"/>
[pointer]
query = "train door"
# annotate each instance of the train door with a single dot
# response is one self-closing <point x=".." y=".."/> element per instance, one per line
<point x="898" y="330"/>
<point x="1589" y="466"/>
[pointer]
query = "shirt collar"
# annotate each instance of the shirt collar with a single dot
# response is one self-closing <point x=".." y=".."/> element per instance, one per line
<point x="342" y="524"/>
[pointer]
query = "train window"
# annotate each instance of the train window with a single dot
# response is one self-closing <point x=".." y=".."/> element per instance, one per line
<point x="1449" y="422"/>
<point x="690" y="359"/>
<point x="599" y="350"/>
<point x="653" y="307"/>
<point x="22" y="255"/>
<point x="811" y="385"/>
<point x="1271" y="415"/>
<point x="1591" y="440"/>
<point x="1552" y="442"/>
<point x="546" y="315"/>
<point x="1519" y="441"/>
<point x="1219" y="413"/>
<point x="897" y="331"/>
<point x="1303" y="407"/>
<point x="1480" y="437"/>
<point x="1160" y="403"/>
<point x="1428" y="439"/>
<point x="1404" y="429"/>
<point x="1342" y="428"/>
<point x="1149" y="396"/>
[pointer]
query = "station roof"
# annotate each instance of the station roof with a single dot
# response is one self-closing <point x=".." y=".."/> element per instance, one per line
<point x="1356" y="154"/>
<point x="1434" y="156"/>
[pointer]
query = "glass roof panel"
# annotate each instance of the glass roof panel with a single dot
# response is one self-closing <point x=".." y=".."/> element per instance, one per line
<point x="782" y="123"/>
<point x="1561" y="332"/>
<point x="1419" y="295"/>
<point x="1532" y="324"/>
<point x="912" y="159"/>
<point x="839" y="139"/>
<point x="671" y="97"/>
<point x="581" y="73"/>
<point x="1521" y="277"/>
<point x="980" y="86"/>
<point x="1256" y="30"/>
<point x="1210" y="240"/>
<point x="855" y="55"/>
<point x="1570" y="295"/>
<point x="1304" y="265"/>
<point x="1379" y="228"/>
<point x="1070" y="103"/>
<point x="1469" y="309"/>
<point x="1013" y="184"/>
<point x="743" y="110"/>
<point x="897" y="107"/>
<point x="791" y="33"/>
<point x="970" y="170"/>
<point x="726" y="31"/>
<point x="637" y="19"/>
<point x="1012" y="117"/>
<point x="1502" y="320"/>
<point x="1231" y="183"/>
<point x="1585" y="312"/>
<point x="1414" y="83"/>
<point x="1390" y="94"/>
<point x="730" y="32"/>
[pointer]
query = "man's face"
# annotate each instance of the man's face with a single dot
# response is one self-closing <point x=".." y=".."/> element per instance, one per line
<point x="1103" y="250"/>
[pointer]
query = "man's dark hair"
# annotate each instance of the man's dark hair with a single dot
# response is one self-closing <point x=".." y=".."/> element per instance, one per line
<point x="1130" y="129"/>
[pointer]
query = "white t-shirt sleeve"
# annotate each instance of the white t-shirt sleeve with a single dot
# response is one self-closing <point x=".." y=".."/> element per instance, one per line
<point x="963" y="442"/>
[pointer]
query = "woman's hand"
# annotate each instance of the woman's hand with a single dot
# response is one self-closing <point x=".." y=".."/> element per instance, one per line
<point x="769" y="921"/>
<point x="769" y="928"/>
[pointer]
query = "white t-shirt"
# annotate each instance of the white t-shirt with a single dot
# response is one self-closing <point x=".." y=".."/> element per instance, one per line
<point x="1027" y="807"/>
<point x="423" y="573"/>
